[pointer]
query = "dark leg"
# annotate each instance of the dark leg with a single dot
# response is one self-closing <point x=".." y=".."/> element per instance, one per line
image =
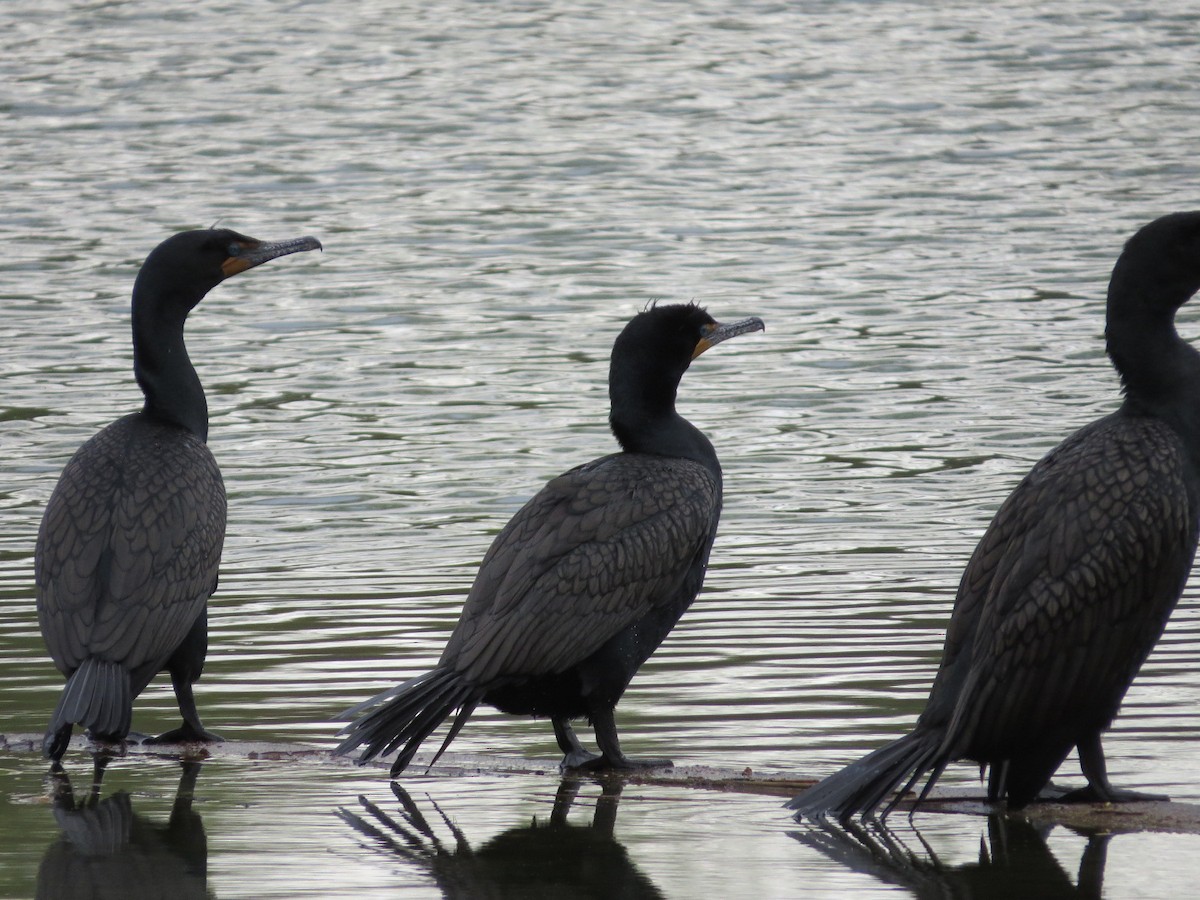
<point x="568" y="742"/>
<point x="192" y="729"/>
<point x="1098" y="790"/>
<point x="185" y="666"/>
<point x="611" y="756"/>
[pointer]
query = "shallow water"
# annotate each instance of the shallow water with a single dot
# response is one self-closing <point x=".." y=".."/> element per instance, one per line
<point x="923" y="203"/>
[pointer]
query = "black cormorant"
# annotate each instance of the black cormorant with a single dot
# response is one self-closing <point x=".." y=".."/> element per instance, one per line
<point x="1073" y="581"/>
<point x="589" y="577"/>
<point x="128" y="548"/>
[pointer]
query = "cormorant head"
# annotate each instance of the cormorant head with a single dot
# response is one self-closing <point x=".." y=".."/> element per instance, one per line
<point x="661" y="341"/>
<point x="190" y="264"/>
<point x="650" y="356"/>
<point x="173" y="279"/>
<point x="1159" y="269"/>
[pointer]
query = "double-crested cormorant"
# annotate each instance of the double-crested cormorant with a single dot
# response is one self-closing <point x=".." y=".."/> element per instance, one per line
<point x="1073" y="581"/>
<point x="129" y="544"/>
<point x="587" y="579"/>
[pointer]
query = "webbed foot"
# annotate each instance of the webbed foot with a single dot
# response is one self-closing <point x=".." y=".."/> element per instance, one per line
<point x="185" y="734"/>
<point x="579" y="759"/>
<point x="603" y="762"/>
<point x="1107" y="794"/>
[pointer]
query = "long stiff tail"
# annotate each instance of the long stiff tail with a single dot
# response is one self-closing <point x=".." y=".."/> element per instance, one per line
<point x="863" y="785"/>
<point x="407" y="714"/>
<point x="98" y="696"/>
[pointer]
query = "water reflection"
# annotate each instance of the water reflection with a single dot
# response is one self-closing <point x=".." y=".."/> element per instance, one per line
<point x="108" y="850"/>
<point x="1015" y="862"/>
<point x="553" y="859"/>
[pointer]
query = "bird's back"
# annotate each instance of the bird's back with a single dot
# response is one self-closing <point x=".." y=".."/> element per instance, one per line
<point x="599" y="548"/>
<point x="1067" y="592"/>
<point x="129" y="546"/>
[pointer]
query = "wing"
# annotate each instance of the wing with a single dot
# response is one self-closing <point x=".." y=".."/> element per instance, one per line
<point x="593" y="552"/>
<point x="129" y="545"/>
<point x="1070" y="587"/>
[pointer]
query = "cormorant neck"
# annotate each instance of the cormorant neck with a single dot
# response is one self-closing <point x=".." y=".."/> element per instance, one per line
<point x="1160" y="371"/>
<point x="643" y="420"/>
<point x="161" y="365"/>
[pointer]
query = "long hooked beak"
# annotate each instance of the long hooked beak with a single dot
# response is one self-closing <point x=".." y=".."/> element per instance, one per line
<point x="249" y="255"/>
<point x="717" y="332"/>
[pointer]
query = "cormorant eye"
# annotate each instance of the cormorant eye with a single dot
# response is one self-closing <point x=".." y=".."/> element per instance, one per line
<point x="234" y="249"/>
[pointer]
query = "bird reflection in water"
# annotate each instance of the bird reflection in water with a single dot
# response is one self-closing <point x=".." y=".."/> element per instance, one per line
<point x="108" y="850"/>
<point x="1015" y="861"/>
<point x="552" y="859"/>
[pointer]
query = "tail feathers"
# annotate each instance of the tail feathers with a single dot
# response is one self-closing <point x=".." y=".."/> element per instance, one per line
<point x="863" y="785"/>
<point x="98" y="696"/>
<point x="408" y="714"/>
<point x="456" y="726"/>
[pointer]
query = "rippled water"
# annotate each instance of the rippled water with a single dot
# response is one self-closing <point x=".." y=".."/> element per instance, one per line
<point x="923" y="201"/>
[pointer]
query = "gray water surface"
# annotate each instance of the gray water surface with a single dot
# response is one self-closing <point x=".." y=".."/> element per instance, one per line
<point x="922" y="201"/>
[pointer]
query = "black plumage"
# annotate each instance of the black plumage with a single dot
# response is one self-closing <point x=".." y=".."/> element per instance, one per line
<point x="1074" y="580"/>
<point x="128" y="548"/>
<point x="589" y="577"/>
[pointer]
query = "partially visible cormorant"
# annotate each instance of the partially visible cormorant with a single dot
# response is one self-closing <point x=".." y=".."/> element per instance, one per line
<point x="1073" y="581"/>
<point x="589" y="577"/>
<point x="128" y="548"/>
